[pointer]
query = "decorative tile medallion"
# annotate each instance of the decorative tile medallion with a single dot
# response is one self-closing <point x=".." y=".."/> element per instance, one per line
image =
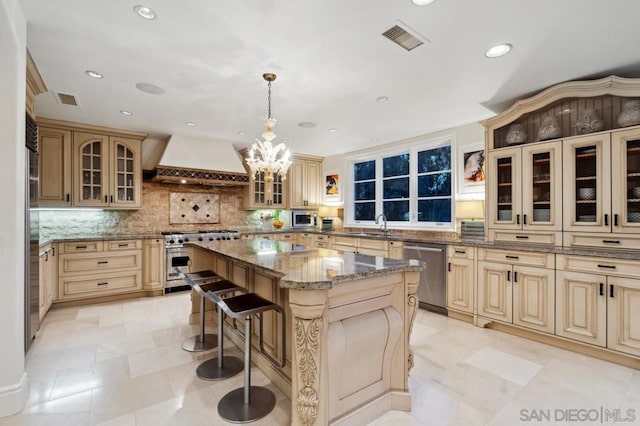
<point x="194" y="207"/>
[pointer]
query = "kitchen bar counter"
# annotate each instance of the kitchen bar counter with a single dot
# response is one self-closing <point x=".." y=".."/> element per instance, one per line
<point x="348" y="323"/>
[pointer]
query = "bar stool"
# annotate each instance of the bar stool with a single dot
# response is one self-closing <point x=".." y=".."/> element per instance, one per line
<point x="203" y="341"/>
<point x="249" y="403"/>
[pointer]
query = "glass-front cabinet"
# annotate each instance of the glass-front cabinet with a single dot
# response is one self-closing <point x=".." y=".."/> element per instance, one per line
<point x="625" y="191"/>
<point x="526" y="193"/>
<point x="108" y="171"/>
<point x="262" y="194"/>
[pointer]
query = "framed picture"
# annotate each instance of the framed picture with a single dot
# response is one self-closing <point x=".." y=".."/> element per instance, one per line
<point x="471" y="169"/>
<point x="332" y="187"/>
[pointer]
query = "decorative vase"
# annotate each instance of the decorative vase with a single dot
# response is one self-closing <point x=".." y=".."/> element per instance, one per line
<point x="589" y="121"/>
<point x="516" y="134"/>
<point x="630" y="114"/>
<point x="549" y="128"/>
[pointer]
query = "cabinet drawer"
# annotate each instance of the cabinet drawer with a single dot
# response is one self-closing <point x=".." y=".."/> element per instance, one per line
<point x="81" y="247"/>
<point x="366" y="243"/>
<point x="124" y="245"/>
<point x="91" y="286"/>
<point x="284" y="237"/>
<point x="321" y="244"/>
<point x="599" y="265"/>
<point x="347" y="248"/>
<point x="542" y="260"/>
<point x="574" y="239"/>
<point x="74" y="264"/>
<point x="343" y="241"/>
<point x="460" y="252"/>
<point x="552" y="238"/>
<point x="373" y="252"/>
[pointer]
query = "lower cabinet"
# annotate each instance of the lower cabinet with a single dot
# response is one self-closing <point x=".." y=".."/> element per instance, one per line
<point x="153" y="257"/>
<point x="461" y="294"/>
<point x="306" y="239"/>
<point x="511" y="291"/>
<point x="48" y="279"/>
<point x="597" y="308"/>
<point x="99" y="268"/>
<point x="368" y="246"/>
<point x="322" y="241"/>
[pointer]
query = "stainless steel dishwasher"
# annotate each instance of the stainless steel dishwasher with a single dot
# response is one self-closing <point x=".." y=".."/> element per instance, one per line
<point x="432" y="290"/>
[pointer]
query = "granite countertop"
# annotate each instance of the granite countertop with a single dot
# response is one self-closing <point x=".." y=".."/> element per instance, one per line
<point x="302" y="268"/>
<point x="60" y="238"/>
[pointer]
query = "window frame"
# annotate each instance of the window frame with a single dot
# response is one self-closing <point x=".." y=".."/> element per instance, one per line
<point x="378" y="155"/>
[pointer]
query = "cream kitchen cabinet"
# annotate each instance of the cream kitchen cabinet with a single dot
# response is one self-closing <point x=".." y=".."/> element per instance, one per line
<point x="153" y="257"/>
<point x="306" y="239"/>
<point x="598" y="302"/>
<point x="461" y="282"/>
<point x="517" y="287"/>
<point x="322" y="241"/>
<point x="99" y="268"/>
<point x="524" y="201"/>
<point x="54" y="186"/>
<point x="305" y="183"/>
<point x="396" y="250"/>
<point x="368" y="246"/>
<point x="260" y="194"/>
<point x="48" y="278"/>
<point x="108" y="171"/>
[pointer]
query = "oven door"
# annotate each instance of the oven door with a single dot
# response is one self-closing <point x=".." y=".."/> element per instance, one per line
<point x="177" y="257"/>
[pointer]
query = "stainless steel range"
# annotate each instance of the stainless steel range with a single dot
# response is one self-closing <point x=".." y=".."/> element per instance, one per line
<point x="178" y="255"/>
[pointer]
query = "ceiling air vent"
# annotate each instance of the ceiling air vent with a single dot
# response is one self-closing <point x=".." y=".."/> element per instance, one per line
<point x="400" y="35"/>
<point x="65" y="99"/>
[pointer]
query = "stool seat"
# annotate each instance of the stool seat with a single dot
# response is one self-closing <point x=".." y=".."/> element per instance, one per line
<point x="247" y="304"/>
<point x="204" y="276"/>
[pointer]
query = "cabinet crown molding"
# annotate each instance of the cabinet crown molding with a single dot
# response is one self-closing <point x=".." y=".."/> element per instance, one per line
<point x="69" y="125"/>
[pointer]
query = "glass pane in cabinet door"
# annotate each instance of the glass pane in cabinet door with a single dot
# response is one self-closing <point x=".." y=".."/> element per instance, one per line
<point x="96" y="163"/>
<point x="120" y="151"/>
<point x="120" y="194"/>
<point x="129" y="194"/>
<point x="86" y="192"/>
<point x="120" y="166"/>
<point x="541" y="190"/>
<point x="633" y="181"/>
<point x="87" y="149"/>
<point x="95" y="179"/>
<point x="97" y="194"/>
<point x="86" y="161"/>
<point x="120" y="179"/>
<point x="505" y="189"/>
<point x="586" y="184"/>
<point x="130" y="166"/>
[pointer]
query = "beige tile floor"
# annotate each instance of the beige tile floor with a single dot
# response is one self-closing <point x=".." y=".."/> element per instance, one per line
<point x="121" y="364"/>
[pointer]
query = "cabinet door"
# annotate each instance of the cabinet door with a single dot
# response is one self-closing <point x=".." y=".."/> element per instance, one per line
<point x="581" y="307"/>
<point x="495" y="291"/>
<point x="126" y="173"/>
<point x="154" y="258"/>
<point x="542" y="186"/>
<point x="51" y="272"/>
<point x="587" y="185"/>
<point x="534" y="298"/>
<point x="54" y="186"/>
<point x="42" y="284"/>
<point x="297" y="184"/>
<point x="625" y="181"/>
<point x="313" y="181"/>
<point x="460" y="285"/>
<point x="504" y="202"/>
<point x="91" y="159"/>
<point x="623" y="312"/>
<point x="278" y="195"/>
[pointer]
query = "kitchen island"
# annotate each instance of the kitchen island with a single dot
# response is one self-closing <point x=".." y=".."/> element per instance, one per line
<point x="349" y="317"/>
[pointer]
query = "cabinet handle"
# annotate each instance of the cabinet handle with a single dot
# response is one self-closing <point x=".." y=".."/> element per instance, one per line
<point x="522" y="237"/>
<point x="601" y="289"/>
<point x="103" y="262"/>
<point x="524" y="219"/>
<point x="53" y="251"/>
<point x="611" y="241"/>
<point x="111" y="199"/>
<point x="123" y="245"/>
<point x="518" y="219"/>
<point x="508" y="275"/>
<point x="511" y="257"/>
<point x="606" y="220"/>
<point x="46" y="256"/>
<point x="81" y="247"/>
<point x="615" y="219"/>
<point x="68" y="198"/>
<point x="449" y="267"/>
<point x="515" y="276"/>
<point x="607" y="266"/>
<point x="106" y="199"/>
<point x="461" y="251"/>
<point x="611" y="290"/>
<point x="103" y="283"/>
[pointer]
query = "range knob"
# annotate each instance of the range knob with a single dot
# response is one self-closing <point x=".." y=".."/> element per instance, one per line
<point x="186" y="240"/>
<point x="199" y="238"/>
<point x="210" y="238"/>
<point x="171" y="241"/>
<point x="180" y="241"/>
<point x="235" y="237"/>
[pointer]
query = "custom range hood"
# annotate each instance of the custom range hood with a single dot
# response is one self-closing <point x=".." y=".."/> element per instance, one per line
<point x="190" y="160"/>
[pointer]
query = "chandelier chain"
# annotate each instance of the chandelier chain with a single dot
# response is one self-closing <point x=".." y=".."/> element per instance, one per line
<point x="269" y="99"/>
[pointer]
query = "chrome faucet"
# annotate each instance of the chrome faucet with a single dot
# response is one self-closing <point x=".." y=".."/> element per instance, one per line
<point x="384" y="223"/>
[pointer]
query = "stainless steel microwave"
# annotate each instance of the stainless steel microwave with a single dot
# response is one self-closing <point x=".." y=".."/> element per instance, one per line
<point x="303" y="219"/>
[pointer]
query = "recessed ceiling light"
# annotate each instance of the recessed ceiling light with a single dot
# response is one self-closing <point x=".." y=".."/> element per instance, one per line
<point x="333" y="130"/>
<point x="382" y="99"/>
<point x="150" y="88"/>
<point x="125" y="112"/>
<point x="145" y="12"/>
<point x="93" y="74"/>
<point x="422" y="2"/>
<point x="307" y="124"/>
<point x="499" y="50"/>
<point x="189" y="123"/>
<point x="242" y="133"/>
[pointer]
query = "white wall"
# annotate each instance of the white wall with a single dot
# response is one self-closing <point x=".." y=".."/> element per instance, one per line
<point x="13" y="36"/>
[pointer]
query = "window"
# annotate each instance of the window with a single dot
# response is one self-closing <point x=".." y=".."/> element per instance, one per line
<point x="411" y="187"/>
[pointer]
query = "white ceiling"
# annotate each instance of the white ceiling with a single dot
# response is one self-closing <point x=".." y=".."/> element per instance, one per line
<point x="331" y="60"/>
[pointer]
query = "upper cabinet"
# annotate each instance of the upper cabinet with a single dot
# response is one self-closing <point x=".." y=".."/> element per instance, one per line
<point x="260" y="194"/>
<point x="305" y="183"/>
<point x="90" y="167"/>
<point x="564" y="166"/>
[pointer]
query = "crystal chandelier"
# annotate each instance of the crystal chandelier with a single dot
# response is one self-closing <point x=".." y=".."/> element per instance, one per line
<point x="264" y="156"/>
